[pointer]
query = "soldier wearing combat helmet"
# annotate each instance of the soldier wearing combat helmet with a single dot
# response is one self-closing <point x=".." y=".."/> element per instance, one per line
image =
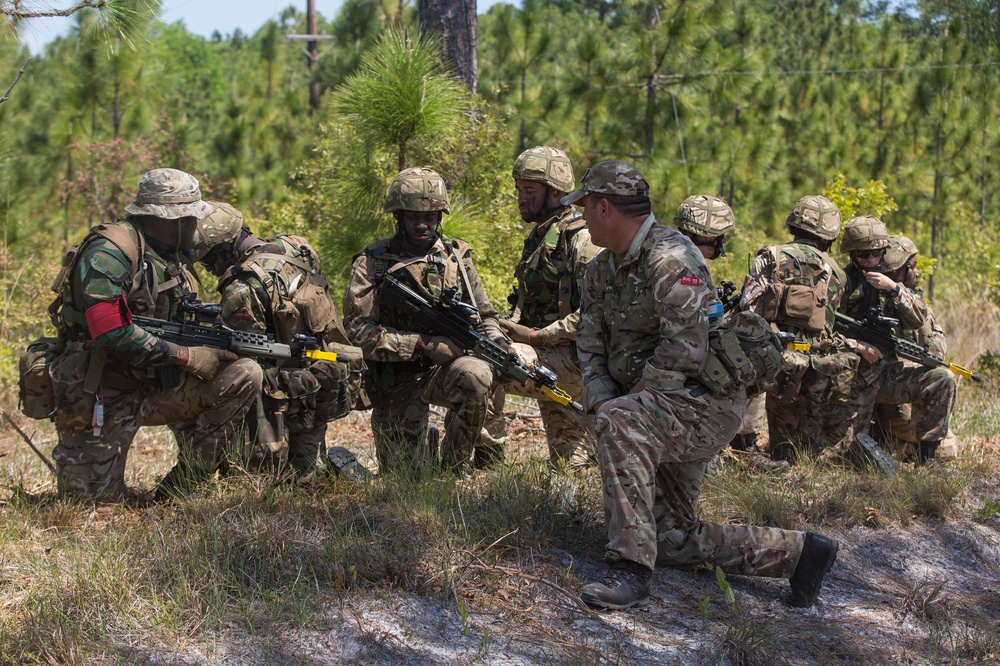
<point x="546" y="302"/>
<point x="643" y="341"/>
<point x="797" y="287"/>
<point x="706" y="220"/>
<point x="409" y="370"/>
<point x="277" y="287"/>
<point x="870" y="287"/>
<point x="117" y="370"/>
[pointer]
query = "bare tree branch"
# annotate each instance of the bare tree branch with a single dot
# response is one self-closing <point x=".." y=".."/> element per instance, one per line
<point x="14" y="82"/>
<point x="16" y="12"/>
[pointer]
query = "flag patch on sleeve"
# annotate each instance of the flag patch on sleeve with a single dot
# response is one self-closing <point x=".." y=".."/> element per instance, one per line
<point x="690" y="280"/>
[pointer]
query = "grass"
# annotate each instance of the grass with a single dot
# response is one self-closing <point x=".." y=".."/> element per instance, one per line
<point x="249" y="555"/>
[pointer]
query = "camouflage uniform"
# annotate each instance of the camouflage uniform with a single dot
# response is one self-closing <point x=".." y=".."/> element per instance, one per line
<point x="403" y="383"/>
<point x="644" y="320"/>
<point x="555" y="256"/>
<point x="931" y="391"/>
<point x="299" y="395"/>
<point x="798" y="413"/>
<point x="204" y="416"/>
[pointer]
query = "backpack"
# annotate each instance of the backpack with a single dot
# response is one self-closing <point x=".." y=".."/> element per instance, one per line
<point x="294" y="291"/>
<point x="744" y="353"/>
<point x="800" y="299"/>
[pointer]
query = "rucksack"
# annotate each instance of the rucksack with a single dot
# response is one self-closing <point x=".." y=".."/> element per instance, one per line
<point x="744" y="353"/>
<point x="799" y="300"/>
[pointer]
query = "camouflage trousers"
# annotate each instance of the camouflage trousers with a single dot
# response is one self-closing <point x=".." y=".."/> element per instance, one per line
<point x="294" y="408"/>
<point x="204" y="417"/>
<point x="399" y="416"/>
<point x="569" y="434"/>
<point x="806" y="426"/>
<point x="654" y="448"/>
<point x="931" y="392"/>
<point x="755" y="417"/>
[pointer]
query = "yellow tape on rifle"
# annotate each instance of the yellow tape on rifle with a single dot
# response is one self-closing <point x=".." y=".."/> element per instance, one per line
<point x="557" y="394"/>
<point x="320" y="355"/>
<point x="799" y="346"/>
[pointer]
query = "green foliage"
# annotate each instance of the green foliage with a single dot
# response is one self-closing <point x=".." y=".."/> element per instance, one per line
<point x="872" y="199"/>
<point x="400" y="95"/>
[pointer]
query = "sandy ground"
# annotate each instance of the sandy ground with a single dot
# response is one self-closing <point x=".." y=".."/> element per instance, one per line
<point x="919" y="594"/>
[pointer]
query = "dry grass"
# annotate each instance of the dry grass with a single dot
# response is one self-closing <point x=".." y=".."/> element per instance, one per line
<point x="503" y="552"/>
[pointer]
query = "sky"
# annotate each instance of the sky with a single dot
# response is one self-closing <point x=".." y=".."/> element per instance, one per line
<point x="201" y="17"/>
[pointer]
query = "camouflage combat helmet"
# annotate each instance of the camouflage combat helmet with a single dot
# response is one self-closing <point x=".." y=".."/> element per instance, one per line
<point x="613" y="177"/>
<point x="221" y="227"/>
<point x="864" y="233"/>
<point x="815" y="215"/>
<point x="168" y="194"/>
<point x="417" y="189"/>
<point x="549" y="166"/>
<point x="899" y="252"/>
<point x="704" y="215"/>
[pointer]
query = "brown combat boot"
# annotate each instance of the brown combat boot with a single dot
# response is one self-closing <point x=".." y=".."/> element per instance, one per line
<point x="626" y="584"/>
<point x="818" y="555"/>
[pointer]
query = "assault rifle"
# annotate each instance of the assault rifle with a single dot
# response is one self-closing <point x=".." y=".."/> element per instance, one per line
<point x="877" y="329"/>
<point x="728" y="295"/>
<point x="453" y="319"/>
<point x="241" y="343"/>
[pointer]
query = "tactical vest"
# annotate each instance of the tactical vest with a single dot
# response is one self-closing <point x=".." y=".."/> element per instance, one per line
<point x="150" y="291"/>
<point x="546" y="284"/>
<point x="428" y="275"/>
<point x="287" y="280"/>
<point x="798" y="294"/>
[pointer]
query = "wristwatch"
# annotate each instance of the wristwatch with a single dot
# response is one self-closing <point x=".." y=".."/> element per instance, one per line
<point x="894" y="292"/>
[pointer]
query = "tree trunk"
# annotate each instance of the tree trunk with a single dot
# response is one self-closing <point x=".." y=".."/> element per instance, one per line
<point x="313" y="49"/>
<point x="454" y="21"/>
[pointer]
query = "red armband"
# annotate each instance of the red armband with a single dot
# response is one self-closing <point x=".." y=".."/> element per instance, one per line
<point x="107" y="316"/>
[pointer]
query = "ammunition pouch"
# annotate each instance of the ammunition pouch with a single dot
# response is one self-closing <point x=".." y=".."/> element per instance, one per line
<point x="36" y="393"/>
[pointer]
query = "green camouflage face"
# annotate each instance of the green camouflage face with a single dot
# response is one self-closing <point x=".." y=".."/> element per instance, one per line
<point x="816" y="215"/>
<point x="864" y="233"/>
<point x="899" y="252"/>
<point x="169" y="194"/>
<point x="704" y="215"/>
<point x="549" y="166"/>
<point x="417" y="189"/>
<point x="220" y="228"/>
<point x="610" y="177"/>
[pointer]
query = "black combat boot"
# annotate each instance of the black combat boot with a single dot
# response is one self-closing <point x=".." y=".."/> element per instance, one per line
<point x="927" y="450"/>
<point x="626" y="584"/>
<point x="745" y="442"/>
<point x="818" y="555"/>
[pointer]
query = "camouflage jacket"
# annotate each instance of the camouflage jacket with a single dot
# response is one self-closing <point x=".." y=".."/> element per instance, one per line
<point x="860" y="297"/>
<point x="554" y="259"/>
<point x="104" y="273"/>
<point x="644" y="317"/>
<point x="385" y="336"/>
<point x="261" y="282"/>
<point x="930" y="334"/>
<point x="783" y="263"/>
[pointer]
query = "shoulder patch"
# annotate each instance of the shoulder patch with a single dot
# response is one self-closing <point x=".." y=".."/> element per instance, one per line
<point x="690" y="280"/>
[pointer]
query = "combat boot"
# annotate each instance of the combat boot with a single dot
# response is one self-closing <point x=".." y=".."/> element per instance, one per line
<point x="745" y="442"/>
<point x="818" y="555"/>
<point x="625" y="584"/>
<point x="927" y="450"/>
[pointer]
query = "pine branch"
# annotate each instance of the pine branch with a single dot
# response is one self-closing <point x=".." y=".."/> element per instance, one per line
<point x="16" y="12"/>
<point x="14" y="82"/>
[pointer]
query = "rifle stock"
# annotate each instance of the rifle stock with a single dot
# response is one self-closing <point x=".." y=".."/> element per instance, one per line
<point x="453" y="319"/>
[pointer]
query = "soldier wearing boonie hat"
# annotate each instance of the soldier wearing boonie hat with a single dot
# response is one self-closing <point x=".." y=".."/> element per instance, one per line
<point x="642" y="342"/>
<point x="116" y="370"/>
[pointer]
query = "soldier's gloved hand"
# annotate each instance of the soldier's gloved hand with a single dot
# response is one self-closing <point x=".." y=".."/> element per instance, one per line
<point x="442" y="350"/>
<point x="203" y="362"/>
<point x="519" y="332"/>
<point x="880" y="281"/>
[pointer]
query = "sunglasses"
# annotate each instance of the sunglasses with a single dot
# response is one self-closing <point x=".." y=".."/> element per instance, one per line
<point x="868" y="254"/>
